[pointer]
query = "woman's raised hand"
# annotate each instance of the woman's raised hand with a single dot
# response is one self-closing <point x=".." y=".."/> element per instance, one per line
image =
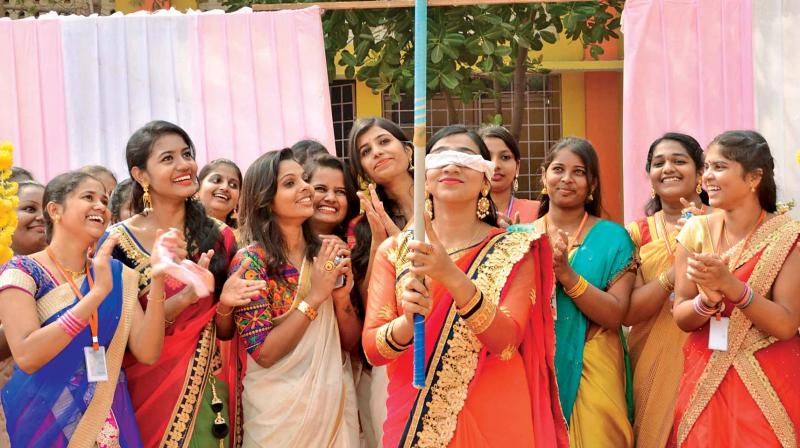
<point x="101" y="265"/>
<point x="237" y="291"/>
<point x="324" y="272"/>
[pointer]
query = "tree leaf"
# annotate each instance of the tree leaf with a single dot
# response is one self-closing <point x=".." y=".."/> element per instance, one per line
<point x="437" y="54"/>
<point x="547" y="36"/>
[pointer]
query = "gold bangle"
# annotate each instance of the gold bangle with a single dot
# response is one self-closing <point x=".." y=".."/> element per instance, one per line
<point x="579" y="288"/>
<point x="476" y="298"/>
<point x="224" y="314"/>
<point x="663" y="280"/>
<point x="383" y="344"/>
<point x="392" y="342"/>
<point x="480" y="320"/>
<point x="307" y="309"/>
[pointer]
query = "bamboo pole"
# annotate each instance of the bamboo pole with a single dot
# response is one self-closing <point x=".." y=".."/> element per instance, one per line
<point x="385" y="4"/>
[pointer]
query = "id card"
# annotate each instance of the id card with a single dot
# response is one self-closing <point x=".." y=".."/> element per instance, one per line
<point x="718" y="334"/>
<point x="96" y="369"/>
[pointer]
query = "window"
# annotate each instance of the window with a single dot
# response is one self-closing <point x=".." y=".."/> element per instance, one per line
<point x="541" y="123"/>
<point x="343" y="108"/>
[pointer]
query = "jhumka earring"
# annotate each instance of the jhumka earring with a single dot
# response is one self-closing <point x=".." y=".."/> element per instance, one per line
<point x="590" y="198"/>
<point x="652" y="193"/>
<point x="516" y="185"/>
<point x="428" y="205"/>
<point x="146" y="201"/>
<point x="483" y="203"/>
<point x="699" y="188"/>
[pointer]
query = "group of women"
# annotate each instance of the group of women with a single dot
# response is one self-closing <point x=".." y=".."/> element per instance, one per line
<point x="546" y="325"/>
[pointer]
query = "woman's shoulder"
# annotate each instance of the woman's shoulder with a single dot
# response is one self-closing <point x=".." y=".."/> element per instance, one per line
<point x="24" y="272"/>
<point x="639" y="231"/>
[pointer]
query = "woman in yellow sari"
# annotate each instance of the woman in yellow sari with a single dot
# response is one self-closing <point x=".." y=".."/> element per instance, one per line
<point x="675" y="167"/>
<point x="594" y="262"/>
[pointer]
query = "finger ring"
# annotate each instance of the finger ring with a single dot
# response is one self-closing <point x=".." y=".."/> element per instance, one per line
<point x="329" y="265"/>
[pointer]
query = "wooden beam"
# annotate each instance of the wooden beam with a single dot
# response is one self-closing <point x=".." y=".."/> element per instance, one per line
<point x="384" y="4"/>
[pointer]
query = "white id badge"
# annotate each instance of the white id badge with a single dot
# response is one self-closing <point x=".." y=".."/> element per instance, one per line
<point x="718" y="334"/>
<point x="96" y="369"/>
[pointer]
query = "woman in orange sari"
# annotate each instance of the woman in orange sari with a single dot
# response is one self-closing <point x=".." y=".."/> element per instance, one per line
<point x="489" y="325"/>
<point x="506" y="157"/>
<point x="736" y="292"/>
<point x="675" y="167"/>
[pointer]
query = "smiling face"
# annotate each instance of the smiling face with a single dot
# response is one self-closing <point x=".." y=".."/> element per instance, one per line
<point x="673" y="174"/>
<point x="330" y="198"/>
<point x="506" y="167"/>
<point x="383" y="157"/>
<point x="453" y="183"/>
<point x="725" y="180"/>
<point x="293" y="198"/>
<point x="29" y="236"/>
<point x="171" y="171"/>
<point x="84" y="213"/>
<point x="567" y="180"/>
<point x="219" y="191"/>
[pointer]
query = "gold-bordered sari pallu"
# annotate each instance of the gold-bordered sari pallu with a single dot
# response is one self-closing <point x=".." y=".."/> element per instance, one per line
<point x="747" y="395"/>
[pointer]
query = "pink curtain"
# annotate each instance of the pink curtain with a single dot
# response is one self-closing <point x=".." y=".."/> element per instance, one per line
<point x="688" y="68"/>
<point x="73" y="89"/>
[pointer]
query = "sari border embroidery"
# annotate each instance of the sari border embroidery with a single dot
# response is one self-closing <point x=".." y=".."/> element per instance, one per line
<point x="776" y="238"/>
<point x="94" y="418"/>
<point x="55" y="301"/>
<point x="181" y="424"/>
<point x="127" y="243"/>
<point x="15" y="278"/>
<point x="457" y="356"/>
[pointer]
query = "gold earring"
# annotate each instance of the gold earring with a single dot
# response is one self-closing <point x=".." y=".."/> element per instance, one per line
<point x="483" y="204"/>
<point x="590" y="198"/>
<point x="411" y="164"/>
<point x="652" y="193"/>
<point x="544" y="190"/>
<point x="146" y="201"/>
<point x="699" y="188"/>
<point x="516" y="185"/>
<point x="752" y="189"/>
<point x="57" y="219"/>
<point x="428" y="205"/>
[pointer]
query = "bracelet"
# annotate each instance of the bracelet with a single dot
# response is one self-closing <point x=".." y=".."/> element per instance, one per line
<point x="71" y="324"/>
<point x="578" y="289"/>
<point x="224" y="314"/>
<point x="703" y="309"/>
<point x="471" y="304"/>
<point x="663" y="280"/>
<point x="751" y="296"/>
<point x="392" y="342"/>
<point x="743" y="295"/>
<point x="307" y="309"/>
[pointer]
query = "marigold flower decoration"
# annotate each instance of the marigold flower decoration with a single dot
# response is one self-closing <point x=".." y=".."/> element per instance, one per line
<point x="8" y="201"/>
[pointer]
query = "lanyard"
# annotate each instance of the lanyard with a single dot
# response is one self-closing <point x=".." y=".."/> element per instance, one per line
<point x="573" y="240"/>
<point x="94" y="320"/>
<point x="510" y="207"/>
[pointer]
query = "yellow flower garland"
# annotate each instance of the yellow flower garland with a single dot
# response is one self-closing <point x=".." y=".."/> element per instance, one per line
<point x="8" y="201"/>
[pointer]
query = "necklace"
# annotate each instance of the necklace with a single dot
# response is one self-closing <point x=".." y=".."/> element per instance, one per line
<point x="470" y="243"/>
<point x="723" y="233"/>
<point x="73" y="274"/>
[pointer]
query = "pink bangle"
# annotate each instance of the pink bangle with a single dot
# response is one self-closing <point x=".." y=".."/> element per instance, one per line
<point x="743" y="296"/>
<point x="70" y="324"/>
<point x="701" y="308"/>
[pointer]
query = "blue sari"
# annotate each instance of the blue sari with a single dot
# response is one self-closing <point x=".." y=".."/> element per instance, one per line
<point x="56" y="406"/>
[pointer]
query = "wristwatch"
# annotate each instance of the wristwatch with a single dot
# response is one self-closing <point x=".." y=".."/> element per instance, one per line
<point x="307" y="309"/>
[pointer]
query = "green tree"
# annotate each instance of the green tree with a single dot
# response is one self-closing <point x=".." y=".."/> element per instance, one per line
<point x="473" y="50"/>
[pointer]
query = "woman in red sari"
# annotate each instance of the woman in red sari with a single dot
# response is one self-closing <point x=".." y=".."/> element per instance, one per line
<point x="736" y="292"/>
<point x="489" y="325"/>
<point x="189" y="398"/>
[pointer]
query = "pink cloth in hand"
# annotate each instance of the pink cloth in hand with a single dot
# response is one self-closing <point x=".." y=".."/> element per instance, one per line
<point x="186" y="271"/>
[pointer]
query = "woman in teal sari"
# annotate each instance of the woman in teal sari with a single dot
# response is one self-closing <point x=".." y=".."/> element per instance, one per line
<point x="595" y="263"/>
<point x="59" y="309"/>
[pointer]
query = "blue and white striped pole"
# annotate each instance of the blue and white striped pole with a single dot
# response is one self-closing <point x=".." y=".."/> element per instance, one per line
<point x="420" y="106"/>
